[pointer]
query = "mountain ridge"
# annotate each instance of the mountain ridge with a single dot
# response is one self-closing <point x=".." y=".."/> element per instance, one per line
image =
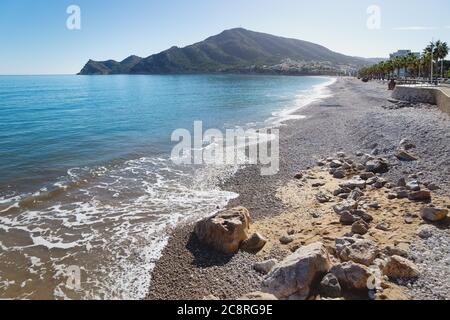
<point x="234" y="51"/>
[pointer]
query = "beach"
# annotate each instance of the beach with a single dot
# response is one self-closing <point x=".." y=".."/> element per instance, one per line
<point x="351" y="120"/>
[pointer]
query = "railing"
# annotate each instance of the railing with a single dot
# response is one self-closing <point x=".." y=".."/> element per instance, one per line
<point x="422" y="82"/>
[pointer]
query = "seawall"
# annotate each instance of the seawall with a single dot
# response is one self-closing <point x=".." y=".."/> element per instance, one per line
<point x="437" y="96"/>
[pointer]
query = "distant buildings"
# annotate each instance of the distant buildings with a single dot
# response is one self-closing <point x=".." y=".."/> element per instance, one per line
<point x="402" y="53"/>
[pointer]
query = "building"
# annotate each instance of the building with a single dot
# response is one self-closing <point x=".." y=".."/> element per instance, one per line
<point x="402" y="53"/>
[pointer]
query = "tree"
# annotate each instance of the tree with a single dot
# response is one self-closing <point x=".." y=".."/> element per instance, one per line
<point x="441" y="52"/>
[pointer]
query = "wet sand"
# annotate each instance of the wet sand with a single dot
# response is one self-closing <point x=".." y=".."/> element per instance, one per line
<point x="350" y="120"/>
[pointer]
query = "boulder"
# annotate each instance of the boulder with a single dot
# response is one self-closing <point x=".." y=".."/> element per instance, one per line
<point x="266" y="266"/>
<point x="224" y="231"/>
<point x="413" y="185"/>
<point x="330" y="287"/>
<point x="396" y="251"/>
<point x="425" y="231"/>
<point x="404" y="155"/>
<point x="254" y="244"/>
<point x="258" y="296"/>
<point x="355" y="194"/>
<point x="367" y="175"/>
<point x="339" y="191"/>
<point x="295" y="274"/>
<point x="383" y="226"/>
<point x="433" y="214"/>
<point x="357" y="250"/>
<point x="352" y="275"/>
<point x="322" y="197"/>
<point x="346" y="205"/>
<point x="362" y="215"/>
<point x="335" y="164"/>
<point x="339" y="174"/>
<point x="377" y="166"/>
<point x="360" y="227"/>
<point x="286" y="239"/>
<point x="347" y="218"/>
<point x="420" y="196"/>
<point x="400" y="268"/>
<point x="356" y="182"/>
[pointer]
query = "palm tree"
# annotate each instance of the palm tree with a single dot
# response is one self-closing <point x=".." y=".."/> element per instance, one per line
<point x="441" y="52"/>
<point x="429" y="52"/>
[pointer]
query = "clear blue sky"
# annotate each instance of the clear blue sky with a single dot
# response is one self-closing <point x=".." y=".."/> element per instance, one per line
<point x="34" y="38"/>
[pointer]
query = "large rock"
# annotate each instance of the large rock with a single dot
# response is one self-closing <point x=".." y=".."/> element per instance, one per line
<point x="351" y="275"/>
<point x="258" y="296"/>
<point x="224" y="231"/>
<point x="413" y="186"/>
<point x="330" y="287"/>
<point x="360" y="227"/>
<point x="420" y="196"/>
<point x="295" y="274"/>
<point x="265" y="267"/>
<point x="357" y="250"/>
<point x="433" y="214"/>
<point x="404" y="155"/>
<point x="377" y="166"/>
<point x="356" y="182"/>
<point x="254" y="244"/>
<point x="346" y="205"/>
<point x="400" y="268"/>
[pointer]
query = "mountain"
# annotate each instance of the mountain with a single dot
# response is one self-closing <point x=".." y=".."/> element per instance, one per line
<point x="235" y="50"/>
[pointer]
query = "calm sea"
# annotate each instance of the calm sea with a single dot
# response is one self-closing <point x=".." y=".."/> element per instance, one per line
<point x="85" y="176"/>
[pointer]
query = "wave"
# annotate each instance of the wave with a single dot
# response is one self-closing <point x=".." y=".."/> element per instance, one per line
<point x="114" y="221"/>
<point x="307" y="97"/>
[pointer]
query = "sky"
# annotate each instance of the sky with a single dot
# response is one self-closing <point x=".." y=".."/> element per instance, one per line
<point x="34" y="38"/>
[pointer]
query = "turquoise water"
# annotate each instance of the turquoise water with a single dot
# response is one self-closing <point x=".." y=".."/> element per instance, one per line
<point x="85" y="175"/>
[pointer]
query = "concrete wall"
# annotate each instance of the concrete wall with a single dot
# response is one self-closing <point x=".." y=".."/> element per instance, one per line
<point x="434" y="96"/>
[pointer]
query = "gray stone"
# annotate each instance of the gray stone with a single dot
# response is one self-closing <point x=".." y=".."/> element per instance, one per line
<point x="339" y="174"/>
<point x="286" y="239"/>
<point x="425" y="231"/>
<point x="404" y="155"/>
<point x="352" y="275"/>
<point x="413" y="186"/>
<point x="346" y="205"/>
<point x="335" y="164"/>
<point x="356" y="182"/>
<point x="367" y="175"/>
<point x="322" y="197"/>
<point x="357" y="250"/>
<point x="330" y="287"/>
<point x="355" y="194"/>
<point x="266" y="266"/>
<point x="377" y="166"/>
<point x="295" y="274"/>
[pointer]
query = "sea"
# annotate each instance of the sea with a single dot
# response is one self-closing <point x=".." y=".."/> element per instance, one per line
<point x="88" y="190"/>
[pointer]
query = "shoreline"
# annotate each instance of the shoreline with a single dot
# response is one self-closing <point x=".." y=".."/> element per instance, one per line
<point x="351" y="120"/>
